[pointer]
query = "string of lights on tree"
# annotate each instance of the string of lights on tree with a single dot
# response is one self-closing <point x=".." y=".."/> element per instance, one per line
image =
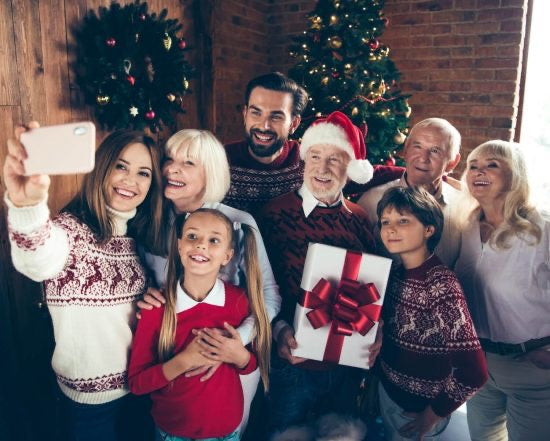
<point x="131" y="66"/>
<point x="344" y="66"/>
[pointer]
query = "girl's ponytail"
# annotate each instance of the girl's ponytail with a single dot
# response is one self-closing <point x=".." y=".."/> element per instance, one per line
<point x="167" y="333"/>
<point x="257" y="305"/>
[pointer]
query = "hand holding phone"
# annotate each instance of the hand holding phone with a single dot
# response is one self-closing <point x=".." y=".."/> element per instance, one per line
<point x="23" y="190"/>
<point x="59" y="150"/>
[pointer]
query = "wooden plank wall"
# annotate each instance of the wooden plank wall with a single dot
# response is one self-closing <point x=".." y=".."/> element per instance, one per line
<point x="36" y="83"/>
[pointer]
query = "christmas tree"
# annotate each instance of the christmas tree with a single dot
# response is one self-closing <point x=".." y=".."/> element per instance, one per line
<point x="344" y="66"/>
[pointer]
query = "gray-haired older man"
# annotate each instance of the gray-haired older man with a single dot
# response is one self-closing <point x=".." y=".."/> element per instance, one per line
<point x="431" y="151"/>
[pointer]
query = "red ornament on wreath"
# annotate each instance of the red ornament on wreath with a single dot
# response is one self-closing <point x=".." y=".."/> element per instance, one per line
<point x="150" y="115"/>
<point x="390" y="161"/>
<point x="374" y="44"/>
<point x="335" y="74"/>
<point x="130" y="80"/>
<point x="111" y="42"/>
<point x="182" y="44"/>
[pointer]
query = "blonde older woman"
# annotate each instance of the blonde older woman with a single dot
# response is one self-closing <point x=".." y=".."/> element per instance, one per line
<point x="504" y="268"/>
<point x="196" y="174"/>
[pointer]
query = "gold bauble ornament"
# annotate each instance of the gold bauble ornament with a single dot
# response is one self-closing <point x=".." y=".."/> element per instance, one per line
<point x="185" y="84"/>
<point x="325" y="80"/>
<point x="103" y="100"/>
<point x="354" y="111"/>
<point x="334" y="19"/>
<point x="167" y="41"/>
<point x="382" y="88"/>
<point x="399" y="138"/>
<point x="348" y="68"/>
<point x="171" y="97"/>
<point x="335" y="42"/>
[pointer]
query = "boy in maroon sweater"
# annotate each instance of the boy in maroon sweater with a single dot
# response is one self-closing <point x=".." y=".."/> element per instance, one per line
<point x="431" y="361"/>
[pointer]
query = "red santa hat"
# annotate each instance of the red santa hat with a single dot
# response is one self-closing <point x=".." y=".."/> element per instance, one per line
<point x="338" y="130"/>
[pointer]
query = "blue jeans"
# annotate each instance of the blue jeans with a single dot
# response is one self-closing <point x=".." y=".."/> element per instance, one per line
<point x="394" y="419"/>
<point x="163" y="436"/>
<point x="294" y="392"/>
<point x="126" y="418"/>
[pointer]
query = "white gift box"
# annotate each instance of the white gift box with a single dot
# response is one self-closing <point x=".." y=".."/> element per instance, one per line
<point x="327" y="262"/>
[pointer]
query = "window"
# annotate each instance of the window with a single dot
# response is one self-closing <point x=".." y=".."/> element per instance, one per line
<point x="535" y="117"/>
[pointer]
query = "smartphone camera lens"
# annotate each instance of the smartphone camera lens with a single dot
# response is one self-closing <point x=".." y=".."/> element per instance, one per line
<point x="79" y="131"/>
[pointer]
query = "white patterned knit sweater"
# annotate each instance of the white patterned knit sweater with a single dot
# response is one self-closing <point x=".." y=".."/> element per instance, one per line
<point x="90" y="291"/>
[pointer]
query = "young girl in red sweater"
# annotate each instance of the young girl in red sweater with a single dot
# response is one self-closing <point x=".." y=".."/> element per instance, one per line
<point x="173" y="340"/>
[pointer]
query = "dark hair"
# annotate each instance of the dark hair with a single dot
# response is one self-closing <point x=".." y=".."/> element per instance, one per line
<point x="417" y="202"/>
<point x="280" y="83"/>
<point x="90" y="203"/>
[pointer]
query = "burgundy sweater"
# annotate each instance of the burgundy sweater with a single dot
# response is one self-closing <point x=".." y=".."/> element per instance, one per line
<point x="287" y="234"/>
<point x="188" y="407"/>
<point x="253" y="184"/>
<point x="430" y="353"/>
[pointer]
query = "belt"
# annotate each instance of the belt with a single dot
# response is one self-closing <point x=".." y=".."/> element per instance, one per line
<point x="509" y="348"/>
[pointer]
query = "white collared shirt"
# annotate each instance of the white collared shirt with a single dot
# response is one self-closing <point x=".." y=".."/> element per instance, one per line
<point x="215" y="297"/>
<point x="508" y="290"/>
<point x="309" y="202"/>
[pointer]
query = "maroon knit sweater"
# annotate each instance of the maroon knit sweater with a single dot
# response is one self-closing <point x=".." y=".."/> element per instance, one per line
<point x="253" y="184"/>
<point x="430" y="353"/>
<point x="287" y="234"/>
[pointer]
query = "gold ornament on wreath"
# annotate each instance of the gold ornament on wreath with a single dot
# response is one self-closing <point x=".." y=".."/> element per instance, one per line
<point x="335" y="42"/>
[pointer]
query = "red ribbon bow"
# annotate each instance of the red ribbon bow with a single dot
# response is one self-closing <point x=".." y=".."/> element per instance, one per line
<point x="348" y="307"/>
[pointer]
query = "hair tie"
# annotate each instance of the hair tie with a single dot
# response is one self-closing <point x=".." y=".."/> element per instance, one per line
<point x="236" y="225"/>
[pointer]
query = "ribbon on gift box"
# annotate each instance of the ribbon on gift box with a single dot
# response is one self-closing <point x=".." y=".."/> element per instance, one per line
<point x="347" y="308"/>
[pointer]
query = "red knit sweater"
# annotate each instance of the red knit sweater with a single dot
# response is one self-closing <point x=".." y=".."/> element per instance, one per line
<point x="287" y="234"/>
<point x="430" y="353"/>
<point x="253" y="183"/>
<point x="188" y="407"/>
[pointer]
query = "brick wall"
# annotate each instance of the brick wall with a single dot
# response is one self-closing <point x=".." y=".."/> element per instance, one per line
<point x="460" y="59"/>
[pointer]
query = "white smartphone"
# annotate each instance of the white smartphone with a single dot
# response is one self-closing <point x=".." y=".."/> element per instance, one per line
<point x="60" y="150"/>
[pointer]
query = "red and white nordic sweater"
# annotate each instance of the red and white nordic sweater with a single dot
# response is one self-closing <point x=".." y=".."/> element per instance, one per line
<point x="430" y="353"/>
<point x="90" y="291"/>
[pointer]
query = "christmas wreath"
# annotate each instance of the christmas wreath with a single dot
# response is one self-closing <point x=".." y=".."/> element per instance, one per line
<point x="131" y="66"/>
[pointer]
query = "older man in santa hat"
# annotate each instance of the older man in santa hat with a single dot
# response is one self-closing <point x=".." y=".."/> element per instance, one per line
<point x="333" y="150"/>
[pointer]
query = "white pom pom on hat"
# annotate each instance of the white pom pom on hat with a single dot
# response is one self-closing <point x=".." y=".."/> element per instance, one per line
<point x="338" y="130"/>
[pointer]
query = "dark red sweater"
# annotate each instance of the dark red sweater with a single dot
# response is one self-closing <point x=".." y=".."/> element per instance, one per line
<point x="287" y="234"/>
<point x="188" y="407"/>
<point x="253" y="184"/>
<point x="430" y="353"/>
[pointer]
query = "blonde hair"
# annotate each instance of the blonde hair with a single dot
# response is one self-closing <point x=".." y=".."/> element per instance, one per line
<point x="519" y="213"/>
<point x="205" y="148"/>
<point x="446" y="128"/>
<point x="254" y="284"/>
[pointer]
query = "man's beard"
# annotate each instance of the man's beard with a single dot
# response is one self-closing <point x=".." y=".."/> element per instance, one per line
<point x="263" y="151"/>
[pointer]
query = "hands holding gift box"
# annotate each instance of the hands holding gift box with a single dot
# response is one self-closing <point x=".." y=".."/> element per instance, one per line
<point x="337" y="318"/>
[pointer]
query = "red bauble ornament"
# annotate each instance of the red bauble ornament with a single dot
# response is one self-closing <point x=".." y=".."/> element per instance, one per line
<point x="111" y="42"/>
<point x="142" y="17"/>
<point x="374" y="44"/>
<point x="150" y="115"/>
<point x="335" y="74"/>
<point x="390" y="161"/>
<point x="131" y="79"/>
<point x="182" y="44"/>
